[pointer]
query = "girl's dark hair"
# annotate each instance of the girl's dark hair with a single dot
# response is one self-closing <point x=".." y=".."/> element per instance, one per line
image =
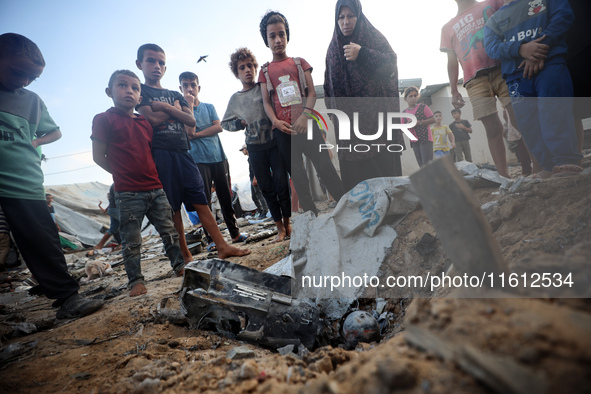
<point x="239" y="55"/>
<point x="410" y="89"/>
<point x="271" y="18"/>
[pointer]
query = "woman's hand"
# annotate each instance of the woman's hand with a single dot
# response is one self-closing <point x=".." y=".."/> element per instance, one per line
<point x="352" y="51"/>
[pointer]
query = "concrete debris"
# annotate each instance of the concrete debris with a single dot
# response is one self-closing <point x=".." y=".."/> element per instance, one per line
<point x="283" y="267"/>
<point x="15" y="350"/>
<point x="168" y="310"/>
<point x="488" y="207"/>
<point x="479" y="176"/>
<point x="286" y="350"/>
<point x="240" y="353"/>
<point x="261" y="235"/>
<point x="426" y="245"/>
<point x="97" y="269"/>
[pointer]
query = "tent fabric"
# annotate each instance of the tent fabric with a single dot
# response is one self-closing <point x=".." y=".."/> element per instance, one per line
<point x="77" y="211"/>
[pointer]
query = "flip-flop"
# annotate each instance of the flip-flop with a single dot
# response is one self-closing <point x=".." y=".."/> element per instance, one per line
<point x="211" y="247"/>
<point x="241" y="238"/>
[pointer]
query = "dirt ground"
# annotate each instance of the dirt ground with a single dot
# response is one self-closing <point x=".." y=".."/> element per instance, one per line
<point x="437" y="345"/>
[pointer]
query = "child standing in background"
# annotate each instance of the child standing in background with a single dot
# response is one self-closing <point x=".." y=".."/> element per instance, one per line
<point x="423" y="147"/>
<point x="441" y="135"/>
<point x="461" y="129"/>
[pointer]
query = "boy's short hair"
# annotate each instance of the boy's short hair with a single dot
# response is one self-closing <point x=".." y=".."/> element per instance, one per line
<point x="121" y="72"/>
<point x="437" y="112"/>
<point x="271" y="18"/>
<point x="147" y="47"/>
<point x="411" y="89"/>
<point x="456" y="110"/>
<point x="240" y="55"/>
<point x="16" y="44"/>
<point x="189" y="76"/>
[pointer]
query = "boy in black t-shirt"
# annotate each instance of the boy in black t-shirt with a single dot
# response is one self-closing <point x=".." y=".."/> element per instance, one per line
<point x="462" y="130"/>
<point x="168" y="112"/>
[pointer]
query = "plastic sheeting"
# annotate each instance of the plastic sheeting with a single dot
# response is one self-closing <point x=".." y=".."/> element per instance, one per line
<point x="78" y="214"/>
<point x="353" y="240"/>
<point x="243" y="190"/>
<point x="77" y="211"/>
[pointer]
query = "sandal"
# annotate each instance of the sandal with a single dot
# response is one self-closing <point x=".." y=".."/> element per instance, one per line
<point x="211" y="247"/>
<point x="566" y="170"/>
<point x="241" y="238"/>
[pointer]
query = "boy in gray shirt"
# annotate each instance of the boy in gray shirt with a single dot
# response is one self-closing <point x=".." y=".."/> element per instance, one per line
<point x="245" y="111"/>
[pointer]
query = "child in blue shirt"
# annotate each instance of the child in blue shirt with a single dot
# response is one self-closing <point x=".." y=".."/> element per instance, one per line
<point x="529" y="39"/>
<point x="208" y="153"/>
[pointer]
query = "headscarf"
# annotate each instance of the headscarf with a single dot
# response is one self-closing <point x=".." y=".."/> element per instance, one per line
<point x="375" y="76"/>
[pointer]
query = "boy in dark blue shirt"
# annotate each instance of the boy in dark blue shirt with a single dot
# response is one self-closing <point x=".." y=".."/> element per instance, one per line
<point x="529" y="39"/>
<point x="168" y="112"/>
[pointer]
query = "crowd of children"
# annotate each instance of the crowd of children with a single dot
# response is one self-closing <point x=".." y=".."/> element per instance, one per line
<point x="170" y="154"/>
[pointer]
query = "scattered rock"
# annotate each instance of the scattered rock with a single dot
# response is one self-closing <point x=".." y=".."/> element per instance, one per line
<point x="511" y="238"/>
<point x="249" y="370"/>
<point x="147" y="386"/>
<point x="510" y="208"/>
<point x="427" y="244"/>
<point x="241" y="352"/>
<point x="324" y="365"/>
<point x="286" y="350"/>
<point x="394" y="374"/>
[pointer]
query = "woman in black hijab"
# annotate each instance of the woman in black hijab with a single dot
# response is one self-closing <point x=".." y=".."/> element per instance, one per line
<point x="360" y="63"/>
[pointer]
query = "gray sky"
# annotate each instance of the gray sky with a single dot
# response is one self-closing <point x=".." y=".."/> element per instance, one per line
<point x="83" y="42"/>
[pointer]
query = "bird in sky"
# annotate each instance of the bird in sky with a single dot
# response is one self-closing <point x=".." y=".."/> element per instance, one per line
<point x="202" y="58"/>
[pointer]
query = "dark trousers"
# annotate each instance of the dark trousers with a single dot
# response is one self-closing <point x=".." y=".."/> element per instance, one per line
<point x="258" y="199"/>
<point x="38" y="241"/>
<point x="219" y="173"/>
<point x="269" y="169"/>
<point x="296" y="145"/>
<point x="384" y="164"/>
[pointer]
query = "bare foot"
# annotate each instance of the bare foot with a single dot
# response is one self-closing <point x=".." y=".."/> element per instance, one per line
<point x="226" y="250"/>
<point x="287" y="225"/>
<point x="181" y="272"/>
<point x="188" y="257"/>
<point x="281" y="232"/>
<point x="277" y="239"/>
<point x="137" y="289"/>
